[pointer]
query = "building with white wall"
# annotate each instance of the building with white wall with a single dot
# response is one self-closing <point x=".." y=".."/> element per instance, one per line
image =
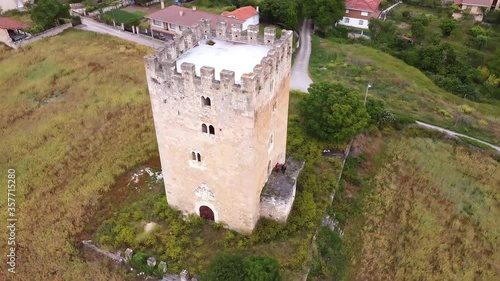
<point x="359" y="12"/>
<point x="11" y="4"/>
<point x="248" y="14"/>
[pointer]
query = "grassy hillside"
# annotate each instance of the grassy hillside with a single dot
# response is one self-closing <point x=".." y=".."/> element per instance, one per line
<point x="429" y="211"/>
<point x="406" y="90"/>
<point x="74" y="115"/>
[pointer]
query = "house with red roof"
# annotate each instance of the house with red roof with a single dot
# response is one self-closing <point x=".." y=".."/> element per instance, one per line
<point x="476" y="7"/>
<point x="11" y="30"/>
<point x="359" y="12"/>
<point x="248" y="14"/>
<point x="174" y="19"/>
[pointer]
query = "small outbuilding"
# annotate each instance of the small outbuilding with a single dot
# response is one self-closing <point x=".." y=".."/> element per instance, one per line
<point x="12" y="30"/>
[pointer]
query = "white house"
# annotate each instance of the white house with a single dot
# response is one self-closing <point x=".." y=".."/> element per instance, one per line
<point x="359" y="12"/>
<point x="248" y="14"/>
<point x="11" y="4"/>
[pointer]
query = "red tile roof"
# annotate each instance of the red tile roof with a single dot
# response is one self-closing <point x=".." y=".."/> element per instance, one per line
<point x="187" y="17"/>
<point x="242" y="13"/>
<point x="363" y="5"/>
<point x="6" y="23"/>
<point x="484" y="3"/>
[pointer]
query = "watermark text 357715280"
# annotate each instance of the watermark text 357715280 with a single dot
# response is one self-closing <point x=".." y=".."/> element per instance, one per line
<point x="11" y="220"/>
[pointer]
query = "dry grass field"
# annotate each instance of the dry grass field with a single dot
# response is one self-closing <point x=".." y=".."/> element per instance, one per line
<point x="74" y="115"/>
<point x="432" y="214"/>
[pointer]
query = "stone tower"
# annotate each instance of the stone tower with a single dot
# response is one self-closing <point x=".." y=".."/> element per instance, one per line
<point x="220" y="105"/>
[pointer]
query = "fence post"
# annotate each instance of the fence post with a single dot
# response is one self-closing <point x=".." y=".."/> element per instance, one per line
<point x="123" y="26"/>
<point x="114" y="23"/>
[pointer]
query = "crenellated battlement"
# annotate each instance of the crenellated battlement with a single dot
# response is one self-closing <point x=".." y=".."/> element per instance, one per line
<point x="163" y="66"/>
<point x="218" y="96"/>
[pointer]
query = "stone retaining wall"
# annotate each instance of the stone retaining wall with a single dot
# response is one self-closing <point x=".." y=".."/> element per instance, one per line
<point x="44" y="34"/>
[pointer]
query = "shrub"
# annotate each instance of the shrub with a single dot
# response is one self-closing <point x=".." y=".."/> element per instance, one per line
<point x="226" y="267"/>
<point x="76" y="20"/>
<point x="260" y="268"/>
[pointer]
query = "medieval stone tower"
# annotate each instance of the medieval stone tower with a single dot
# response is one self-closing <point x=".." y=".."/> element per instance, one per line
<point x="220" y="105"/>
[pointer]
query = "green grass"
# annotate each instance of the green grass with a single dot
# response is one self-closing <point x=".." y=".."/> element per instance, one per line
<point x="406" y="90"/>
<point x="458" y="38"/>
<point x="475" y="143"/>
<point x="121" y="16"/>
<point x="431" y="213"/>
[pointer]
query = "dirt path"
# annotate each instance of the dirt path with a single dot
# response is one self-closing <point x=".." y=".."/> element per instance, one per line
<point x="446" y="131"/>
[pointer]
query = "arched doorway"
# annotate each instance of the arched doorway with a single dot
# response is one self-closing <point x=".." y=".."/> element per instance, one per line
<point x="206" y="213"/>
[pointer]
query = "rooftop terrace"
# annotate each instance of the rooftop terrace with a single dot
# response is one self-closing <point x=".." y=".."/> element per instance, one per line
<point x="235" y="56"/>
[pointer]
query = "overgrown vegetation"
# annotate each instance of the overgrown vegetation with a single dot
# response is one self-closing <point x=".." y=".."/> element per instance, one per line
<point x="120" y="16"/>
<point x="406" y="91"/>
<point x="333" y="113"/>
<point x="47" y="13"/>
<point x="459" y="56"/>
<point x="236" y="266"/>
<point x="433" y="205"/>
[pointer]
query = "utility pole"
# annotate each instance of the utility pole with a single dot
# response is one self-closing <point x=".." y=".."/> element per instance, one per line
<point x="366" y="93"/>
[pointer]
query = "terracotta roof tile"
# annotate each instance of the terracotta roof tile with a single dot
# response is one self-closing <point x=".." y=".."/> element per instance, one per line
<point x="363" y="5"/>
<point x="242" y="13"/>
<point x="187" y="17"/>
<point x="6" y="23"/>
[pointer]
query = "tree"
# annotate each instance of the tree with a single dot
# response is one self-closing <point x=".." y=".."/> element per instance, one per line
<point x="324" y="13"/>
<point x="226" y="267"/>
<point x="259" y="268"/>
<point x="333" y="113"/>
<point x="281" y="11"/>
<point x="378" y="112"/>
<point x="48" y="12"/>
<point x="447" y="26"/>
<point x="417" y="30"/>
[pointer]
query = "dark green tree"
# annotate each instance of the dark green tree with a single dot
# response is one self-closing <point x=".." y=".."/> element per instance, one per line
<point x="378" y="112"/>
<point x="284" y="12"/>
<point x="226" y="267"/>
<point x="324" y="13"/>
<point x="333" y="113"/>
<point x="47" y="13"/>
<point x="259" y="268"/>
<point x="447" y="26"/>
<point x="417" y="30"/>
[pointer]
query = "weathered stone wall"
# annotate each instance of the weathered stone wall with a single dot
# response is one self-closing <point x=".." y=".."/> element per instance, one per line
<point x="279" y="194"/>
<point x="47" y="33"/>
<point x="234" y="161"/>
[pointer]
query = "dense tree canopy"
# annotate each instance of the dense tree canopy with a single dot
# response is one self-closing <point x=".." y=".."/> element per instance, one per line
<point x="284" y="12"/>
<point x="333" y="113"/>
<point x="234" y="266"/>
<point x="447" y="26"/>
<point x="324" y="13"/>
<point x="47" y="13"/>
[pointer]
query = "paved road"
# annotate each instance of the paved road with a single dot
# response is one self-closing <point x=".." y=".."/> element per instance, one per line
<point x="455" y="134"/>
<point x="300" y="79"/>
<point x="91" y="25"/>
